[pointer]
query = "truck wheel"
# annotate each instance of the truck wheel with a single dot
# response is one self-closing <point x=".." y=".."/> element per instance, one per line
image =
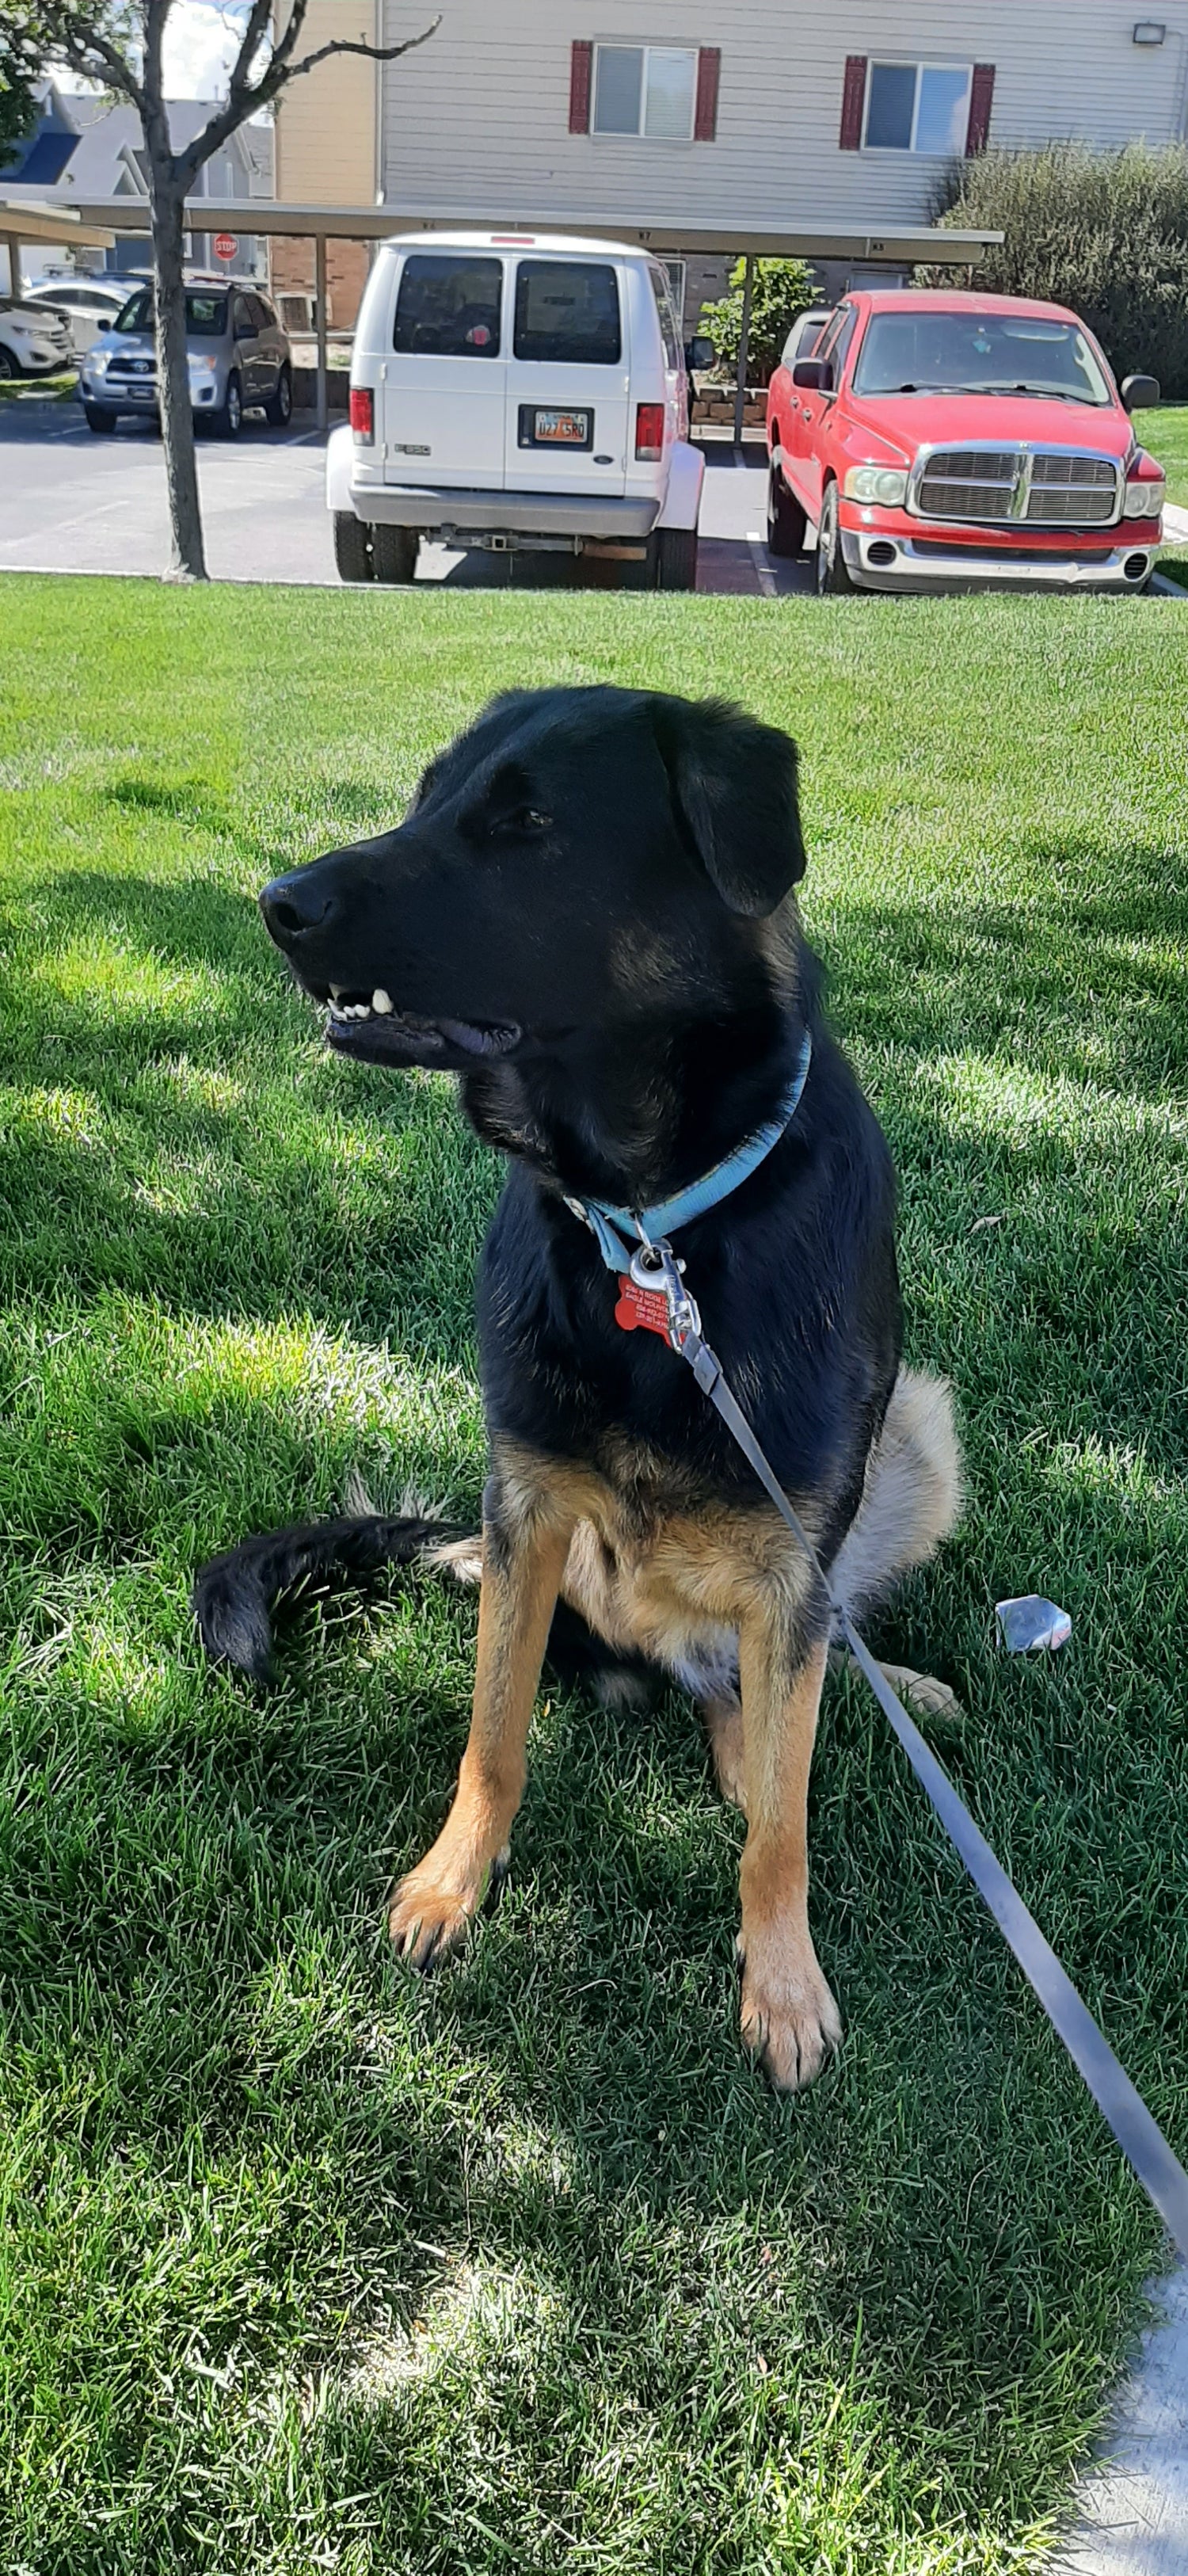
<point x="394" y="551"/>
<point x="98" y="418"/>
<point x="352" y="549"/>
<point x="786" y="522"/>
<point x="832" y="576"/>
<point x="676" y="567"/>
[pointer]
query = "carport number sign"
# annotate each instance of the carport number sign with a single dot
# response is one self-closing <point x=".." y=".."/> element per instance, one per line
<point x="225" y="246"/>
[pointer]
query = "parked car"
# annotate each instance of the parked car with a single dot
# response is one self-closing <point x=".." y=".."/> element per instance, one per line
<point x="86" y="305"/>
<point x="32" y="342"/>
<point x="805" y="333"/>
<point x="238" y="355"/>
<point x="518" y="391"/>
<point x="961" y="442"/>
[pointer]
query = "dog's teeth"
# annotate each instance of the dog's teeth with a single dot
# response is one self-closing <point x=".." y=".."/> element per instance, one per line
<point x="381" y="1001"/>
<point x="336" y="992"/>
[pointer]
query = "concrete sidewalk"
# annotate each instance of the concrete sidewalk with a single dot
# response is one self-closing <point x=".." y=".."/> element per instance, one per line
<point x="1131" y="2508"/>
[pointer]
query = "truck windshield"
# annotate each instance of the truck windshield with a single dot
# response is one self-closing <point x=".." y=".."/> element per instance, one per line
<point x="977" y="353"/>
<point x="206" y="315"/>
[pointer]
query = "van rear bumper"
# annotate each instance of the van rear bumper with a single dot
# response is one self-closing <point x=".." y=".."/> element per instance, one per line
<point x="432" y="507"/>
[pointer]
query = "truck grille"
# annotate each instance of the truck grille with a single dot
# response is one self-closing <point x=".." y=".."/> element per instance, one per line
<point x="995" y="485"/>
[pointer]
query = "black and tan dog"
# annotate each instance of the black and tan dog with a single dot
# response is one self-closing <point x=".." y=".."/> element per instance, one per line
<point x="588" y="916"/>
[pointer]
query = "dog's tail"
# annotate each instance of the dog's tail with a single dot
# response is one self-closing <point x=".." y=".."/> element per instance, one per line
<point x="912" y="1495"/>
<point x="234" y="1596"/>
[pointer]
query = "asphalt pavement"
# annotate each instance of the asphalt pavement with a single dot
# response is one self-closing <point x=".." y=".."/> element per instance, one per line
<point x="71" y="502"/>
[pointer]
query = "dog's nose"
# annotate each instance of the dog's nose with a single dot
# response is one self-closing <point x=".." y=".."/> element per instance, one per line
<point x="296" y="904"/>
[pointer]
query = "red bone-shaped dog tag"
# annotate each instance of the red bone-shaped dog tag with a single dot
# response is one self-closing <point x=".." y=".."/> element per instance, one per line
<point x="641" y="1309"/>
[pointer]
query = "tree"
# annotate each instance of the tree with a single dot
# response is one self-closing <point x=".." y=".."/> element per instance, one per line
<point x="21" y="50"/>
<point x="782" y="289"/>
<point x="1104" y="232"/>
<point x="119" y="43"/>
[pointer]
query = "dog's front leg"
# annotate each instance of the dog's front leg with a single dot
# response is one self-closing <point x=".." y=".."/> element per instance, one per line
<point x="789" y="2018"/>
<point x="524" y="1552"/>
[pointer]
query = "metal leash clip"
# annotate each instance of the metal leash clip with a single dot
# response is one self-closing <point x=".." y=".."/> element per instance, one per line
<point x="655" y="1267"/>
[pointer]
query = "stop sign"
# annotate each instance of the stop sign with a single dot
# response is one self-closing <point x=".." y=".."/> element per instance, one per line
<point x="225" y="246"/>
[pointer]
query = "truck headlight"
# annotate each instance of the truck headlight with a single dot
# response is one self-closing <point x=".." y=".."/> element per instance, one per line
<point x="876" y="483"/>
<point x="201" y="366"/>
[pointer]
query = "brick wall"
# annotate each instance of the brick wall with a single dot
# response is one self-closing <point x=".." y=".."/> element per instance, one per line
<point x="347" y="264"/>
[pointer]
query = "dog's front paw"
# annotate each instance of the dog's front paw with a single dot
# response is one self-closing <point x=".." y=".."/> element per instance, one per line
<point x="790" y="2022"/>
<point x="429" y="1913"/>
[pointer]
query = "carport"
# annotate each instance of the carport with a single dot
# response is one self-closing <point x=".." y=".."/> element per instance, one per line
<point x="902" y="246"/>
<point x="27" y="220"/>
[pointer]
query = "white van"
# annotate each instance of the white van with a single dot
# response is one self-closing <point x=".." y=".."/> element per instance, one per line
<point x="517" y="391"/>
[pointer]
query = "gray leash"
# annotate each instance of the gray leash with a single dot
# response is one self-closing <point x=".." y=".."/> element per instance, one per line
<point x="1141" y="2139"/>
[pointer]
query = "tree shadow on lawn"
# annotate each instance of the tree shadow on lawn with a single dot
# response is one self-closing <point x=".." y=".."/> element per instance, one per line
<point x="193" y="1943"/>
<point x="235" y="1167"/>
<point x="1087" y="987"/>
<point x="570" y="2101"/>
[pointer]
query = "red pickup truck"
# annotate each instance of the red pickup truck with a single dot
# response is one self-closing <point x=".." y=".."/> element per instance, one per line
<point x="960" y="442"/>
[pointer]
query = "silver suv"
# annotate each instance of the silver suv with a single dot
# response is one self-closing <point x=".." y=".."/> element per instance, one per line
<point x="239" y="359"/>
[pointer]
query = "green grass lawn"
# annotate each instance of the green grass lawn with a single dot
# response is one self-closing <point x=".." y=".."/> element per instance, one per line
<point x="1165" y="434"/>
<point x="309" y="2267"/>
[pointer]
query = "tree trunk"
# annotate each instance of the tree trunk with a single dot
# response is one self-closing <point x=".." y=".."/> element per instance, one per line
<point x="187" y="560"/>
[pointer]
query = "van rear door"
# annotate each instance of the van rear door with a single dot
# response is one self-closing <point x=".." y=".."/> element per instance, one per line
<point x="444" y="388"/>
<point x="568" y="376"/>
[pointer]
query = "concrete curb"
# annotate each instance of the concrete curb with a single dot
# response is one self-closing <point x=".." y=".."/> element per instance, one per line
<point x="1131" y="2507"/>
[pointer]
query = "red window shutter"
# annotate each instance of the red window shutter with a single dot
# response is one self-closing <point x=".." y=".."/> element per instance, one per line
<point x="853" y="103"/>
<point x="581" y="69"/>
<point x="705" y="113"/>
<point x="981" y="99"/>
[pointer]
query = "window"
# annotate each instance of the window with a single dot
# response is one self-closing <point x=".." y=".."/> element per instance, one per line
<point x="674" y="270"/>
<point x="448" y="306"/>
<point x="206" y="315"/>
<point x="567" y="311"/>
<point x="939" y="352"/>
<point x="834" y="342"/>
<point x="668" y="329"/>
<point x="917" y="107"/>
<point x="645" y="89"/>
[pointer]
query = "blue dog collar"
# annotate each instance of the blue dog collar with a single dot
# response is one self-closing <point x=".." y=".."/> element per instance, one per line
<point x="621" y="1230"/>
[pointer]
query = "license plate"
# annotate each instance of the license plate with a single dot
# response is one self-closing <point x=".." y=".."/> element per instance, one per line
<point x="555" y="428"/>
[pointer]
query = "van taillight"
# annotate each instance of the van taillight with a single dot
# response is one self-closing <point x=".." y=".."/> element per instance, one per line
<point x="649" y="432"/>
<point x="363" y="414"/>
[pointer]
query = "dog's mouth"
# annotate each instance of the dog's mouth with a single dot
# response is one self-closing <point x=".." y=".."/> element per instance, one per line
<point x="369" y="1025"/>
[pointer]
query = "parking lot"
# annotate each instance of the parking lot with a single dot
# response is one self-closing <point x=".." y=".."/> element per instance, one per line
<point x="73" y="503"/>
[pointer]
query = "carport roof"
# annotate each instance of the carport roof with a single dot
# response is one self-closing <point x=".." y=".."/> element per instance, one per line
<point x="29" y="219"/>
<point x="901" y="243"/>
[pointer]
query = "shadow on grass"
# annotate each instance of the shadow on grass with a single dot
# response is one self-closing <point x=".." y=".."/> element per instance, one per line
<point x="190" y="1913"/>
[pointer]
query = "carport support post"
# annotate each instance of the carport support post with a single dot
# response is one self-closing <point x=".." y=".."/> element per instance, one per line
<point x="320" y="301"/>
<point x="744" y="345"/>
<point x="13" y="248"/>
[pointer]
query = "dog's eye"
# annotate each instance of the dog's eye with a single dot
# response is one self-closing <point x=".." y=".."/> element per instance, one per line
<point x="525" y="819"/>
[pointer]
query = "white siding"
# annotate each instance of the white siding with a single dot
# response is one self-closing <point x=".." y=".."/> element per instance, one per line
<point x="476" y="122"/>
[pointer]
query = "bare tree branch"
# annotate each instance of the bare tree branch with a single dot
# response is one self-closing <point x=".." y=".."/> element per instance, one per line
<point x="245" y="98"/>
<point x="85" y="49"/>
<point x="374" y="53"/>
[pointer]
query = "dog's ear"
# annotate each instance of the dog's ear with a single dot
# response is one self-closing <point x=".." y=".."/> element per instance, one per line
<point x="733" y="784"/>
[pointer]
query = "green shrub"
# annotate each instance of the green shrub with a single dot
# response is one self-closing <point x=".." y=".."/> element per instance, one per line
<point x="1106" y="233"/>
<point x="783" y="288"/>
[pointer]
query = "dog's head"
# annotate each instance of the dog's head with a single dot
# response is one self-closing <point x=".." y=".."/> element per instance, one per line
<point x="575" y="859"/>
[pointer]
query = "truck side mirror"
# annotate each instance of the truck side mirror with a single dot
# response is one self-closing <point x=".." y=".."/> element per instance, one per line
<point x="813" y="375"/>
<point x="1140" y="393"/>
<point x="700" y="353"/>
